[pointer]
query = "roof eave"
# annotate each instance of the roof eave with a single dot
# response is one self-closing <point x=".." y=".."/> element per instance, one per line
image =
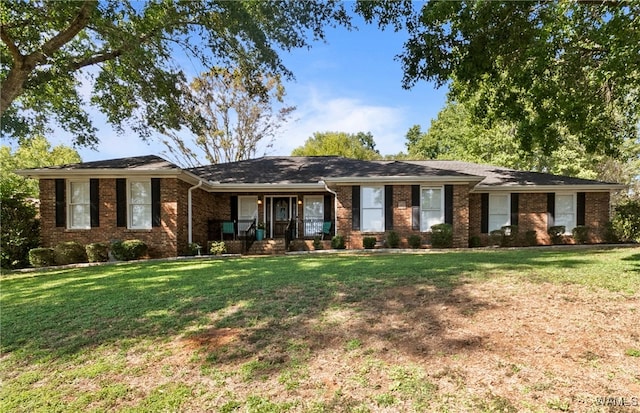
<point x="266" y="187"/>
<point x="550" y="188"/>
<point x="472" y="180"/>
<point x="109" y="173"/>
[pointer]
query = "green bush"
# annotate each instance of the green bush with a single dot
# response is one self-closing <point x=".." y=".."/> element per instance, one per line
<point x="20" y="230"/>
<point x="475" y="242"/>
<point x="510" y="238"/>
<point x="496" y="237"/>
<point x="580" y="234"/>
<point x="317" y="243"/>
<point x="97" y="252"/>
<point x="193" y="249"/>
<point x="393" y="239"/>
<point x="609" y="234"/>
<point x="442" y="235"/>
<point x="41" y="257"/>
<point x="128" y="250"/>
<point x="70" y="252"/>
<point x="626" y="220"/>
<point x="369" y="242"/>
<point x="338" y="243"/>
<point x="415" y="241"/>
<point x="531" y="238"/>
<point x="557" y="234"/>
<point x="217" y="247"/>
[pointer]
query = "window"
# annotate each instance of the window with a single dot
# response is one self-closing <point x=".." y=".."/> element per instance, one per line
<point x="499" y="211"/>
<point x="372" y="198"/>
<point x="140" y="204"/>
<point x="79" y="205"/>
<point x="313" y="215"/>
<point x="247" y="212"/>
<point x="566" y="211"/>
<point x="431" y="208"/>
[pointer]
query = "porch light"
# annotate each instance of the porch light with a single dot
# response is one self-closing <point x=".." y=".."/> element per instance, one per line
<point x="259" y="200"/>
<point x="299" y="201"/>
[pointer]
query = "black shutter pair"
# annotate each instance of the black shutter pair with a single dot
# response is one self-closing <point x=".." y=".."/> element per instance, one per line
<point x="355" y="207"/>
<point x="61" y="202"/>
<point x="121" y="202"/>
<point x="415" y="206"/>
<point x="484" y="211"/>
<point x="580" y="209"/>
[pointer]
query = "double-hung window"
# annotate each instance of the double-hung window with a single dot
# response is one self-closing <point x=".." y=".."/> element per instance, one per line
<point x="372" y="209"/>
<point x="139" y="204"/>
<point x="499" y="211"/>
<point x="431" y="208"/>
<point x="79" y="205"/>
<point x="565" y="213"/>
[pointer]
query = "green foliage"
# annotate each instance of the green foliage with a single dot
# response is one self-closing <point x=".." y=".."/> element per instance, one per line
<point x="580" y="234"/>
<point x="355" y="146"/>
<point x="393" y="239"/>
<point x="415" y="241"/>
<point x="193" y="249"/>
<point x="42" y="257"/>
<point x="129" y="50"/>
<point x="496" y="237"/>
<point x="128" y="250"/>
<point x="338" y="243"/>
<point x="97" y="252"/>
<point x="557" y="234"/>
<point x="317" y="243"/>
<point x="510" y="238"/>
<point x="475" y="242"/>
<point x="70" y="252"/>
<point x="369" y="242"/>
<point x="531" y="238"/>
<point x="442" y="236"/>
<point x="20" y="230"/>
<point x="217" y="247"/>
<point x="626" y="220"/>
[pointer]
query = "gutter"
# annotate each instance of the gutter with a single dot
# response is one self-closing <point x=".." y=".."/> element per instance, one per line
<point x="190" y="212"/>
<point x="335" y="205"/>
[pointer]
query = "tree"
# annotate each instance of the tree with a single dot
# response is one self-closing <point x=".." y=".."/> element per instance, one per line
<point x="128" y="53"/>
<point x="548" y="68"/>
<point x="34" y="153"/>
<point x="357" y="146"/>
<point x="227" y="120"/>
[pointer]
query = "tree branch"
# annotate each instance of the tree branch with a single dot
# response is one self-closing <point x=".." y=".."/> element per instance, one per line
<point x="13" y="49"/>
<point x="79" y="23"/>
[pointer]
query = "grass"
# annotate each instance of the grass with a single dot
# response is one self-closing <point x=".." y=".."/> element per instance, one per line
<point x="168" y="336"/>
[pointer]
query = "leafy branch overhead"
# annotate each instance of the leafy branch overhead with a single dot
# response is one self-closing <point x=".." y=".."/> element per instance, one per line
<point x="128" y="53"/>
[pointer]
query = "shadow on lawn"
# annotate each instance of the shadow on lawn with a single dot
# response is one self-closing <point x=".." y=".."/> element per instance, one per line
<point x="275" y="304"/>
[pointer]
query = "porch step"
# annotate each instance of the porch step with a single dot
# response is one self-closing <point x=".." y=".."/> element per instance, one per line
<point x="266" y="247"/>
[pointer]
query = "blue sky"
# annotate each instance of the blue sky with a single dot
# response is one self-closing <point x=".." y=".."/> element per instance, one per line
<point x="351" y="83"/>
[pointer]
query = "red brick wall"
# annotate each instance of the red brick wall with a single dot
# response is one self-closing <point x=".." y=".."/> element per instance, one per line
<point x="597" y="214"/>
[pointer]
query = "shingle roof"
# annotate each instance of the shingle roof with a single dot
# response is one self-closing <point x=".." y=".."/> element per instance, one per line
<point x="148" y="162"/>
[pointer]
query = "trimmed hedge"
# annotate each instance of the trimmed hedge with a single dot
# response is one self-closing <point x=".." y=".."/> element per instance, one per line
<point x="580" y="234"/>
<point x="442" y="236"/>
<point x="557" y="234"/>
<point x="393" y="239"/>
<point x="97" y="252"/>
<point x="415" y="241"/>
<point x="369" y="242"/>
<point x="41" y="257"/>
<point x="338" y="243"/>
<point x="128" y="250"/>
<point x="70" y="252"/>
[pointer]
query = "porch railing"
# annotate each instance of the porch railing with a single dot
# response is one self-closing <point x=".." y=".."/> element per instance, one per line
<point x="249" y="236"/>
<point x="312" y="227"/>
<point x="289" y="233"/>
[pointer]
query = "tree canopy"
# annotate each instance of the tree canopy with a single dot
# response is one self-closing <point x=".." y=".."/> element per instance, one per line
<point x="549" y="68"/>
<point x="226" y="121"/>
<point x="357" y="146"/>
<point x="129" y="54"/>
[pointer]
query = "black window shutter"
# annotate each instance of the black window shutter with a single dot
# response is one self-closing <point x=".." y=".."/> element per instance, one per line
<point x="355" y="207"/>
<point x="328" y="207"/>
<point x="484" y="213"/>
<point x="448" y="204"/>
<point x="156" y="220"/>
<point x="121" y="202"/>
<point x="515" y="208"/>
<point x="580" y="219"/>
<point x="415" y="207"/>
<point x="94" y="202"/>
<point x="551" y="209"/>
<point x="234" y="208"/>
<point x="388" y="207"/>
<point x="61" y="203"/>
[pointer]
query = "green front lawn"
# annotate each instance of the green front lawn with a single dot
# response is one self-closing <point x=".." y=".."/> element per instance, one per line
<point x="304" y="333"/>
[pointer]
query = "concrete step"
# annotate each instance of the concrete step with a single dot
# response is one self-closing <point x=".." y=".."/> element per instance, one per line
<point x="267" y="247"/>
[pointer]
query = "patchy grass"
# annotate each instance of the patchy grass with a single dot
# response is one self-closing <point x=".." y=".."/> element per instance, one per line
<point x="506" y="330"/>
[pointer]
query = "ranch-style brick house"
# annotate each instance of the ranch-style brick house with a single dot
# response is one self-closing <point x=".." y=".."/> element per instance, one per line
<point x="299" y="198"/>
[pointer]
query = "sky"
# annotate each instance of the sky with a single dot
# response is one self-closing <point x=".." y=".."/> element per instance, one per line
<point x="350" y="83"/>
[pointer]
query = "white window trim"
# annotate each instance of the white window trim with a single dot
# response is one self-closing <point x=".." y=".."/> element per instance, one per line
<point x="574" y="195"/>
<point x="441" y="188"/>
<point x="70" y="204"/>
<point x="129" y="204"/>
<point x="381" y="187"/>
<point x="508" y="195"/>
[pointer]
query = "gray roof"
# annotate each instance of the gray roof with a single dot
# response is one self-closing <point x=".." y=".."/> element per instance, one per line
<point x="141" y="163"/>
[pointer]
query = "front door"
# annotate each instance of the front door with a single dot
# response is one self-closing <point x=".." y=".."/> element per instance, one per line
<point x="279" y="212"/>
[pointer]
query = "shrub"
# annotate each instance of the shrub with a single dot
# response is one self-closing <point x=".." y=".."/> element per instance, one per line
<point x="41" y="257"/>
<point x="510" y="238"/>
<point x="70" y="252"/>
<point x="496" y="237"/>
<point x="475" y="241"/>
<point x="556" y="233"/>
<point x="393" y="239"/>
<point x="415" y="241"/>
<point x="97" y="252"/>
<point x="580" y="234"/>
<point x="609" y="233"/>
<point x="217" y="247"/>
<point x="193" y="249"/>
<point x="369" y="242"/>
<point x="128" y="250"/>
<point x="20" y="230"/>
<point x="531" y="238"/>
<point x="442" y="236"/>
<point x="626" y="220"/>
<point x="317" y="243"/>
<point x="337" y="242"/>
